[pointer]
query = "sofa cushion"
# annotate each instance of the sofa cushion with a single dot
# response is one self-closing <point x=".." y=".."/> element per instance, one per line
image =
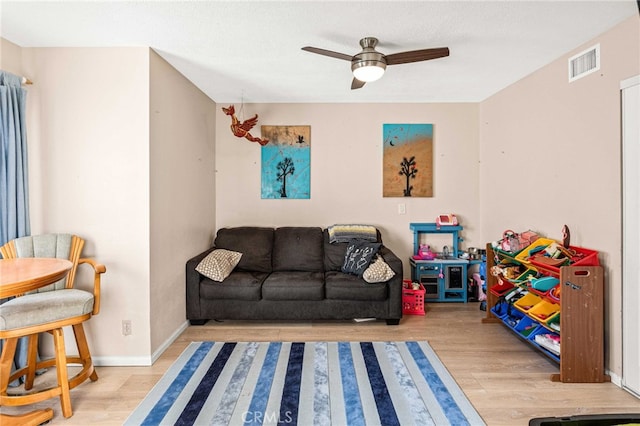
<point x="358" y="257"/>
<point x="333" y="253"/>
<point x="378" y="271"/>
<point x="298" y="249"/>
<point x="218" y="264"/>
<point x="294" y="286"/>
<point x="255" y="244"/>
<point x="342" y="286"/>
<point x="237" y="286"/>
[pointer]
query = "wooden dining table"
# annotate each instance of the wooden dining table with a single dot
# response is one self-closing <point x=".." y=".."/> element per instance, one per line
<point x="18" y="276"/>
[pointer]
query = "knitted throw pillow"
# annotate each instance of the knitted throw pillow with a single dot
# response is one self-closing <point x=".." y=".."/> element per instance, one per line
<point x="218" y="264"/>
<point x="378" y="272"/>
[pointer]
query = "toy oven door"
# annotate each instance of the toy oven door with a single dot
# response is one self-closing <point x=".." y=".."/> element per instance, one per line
<point x="430" y="280"/>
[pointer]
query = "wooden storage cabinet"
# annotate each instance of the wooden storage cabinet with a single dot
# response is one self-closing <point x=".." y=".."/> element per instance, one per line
<point x="580" y="315"/>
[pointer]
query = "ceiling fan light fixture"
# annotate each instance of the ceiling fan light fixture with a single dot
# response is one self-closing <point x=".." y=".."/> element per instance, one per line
<point x="369" y="64"/>
<point x="368" y="71"/>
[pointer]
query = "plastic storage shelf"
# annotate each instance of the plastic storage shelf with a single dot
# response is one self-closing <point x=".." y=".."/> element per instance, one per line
<point x="576" y="342"/>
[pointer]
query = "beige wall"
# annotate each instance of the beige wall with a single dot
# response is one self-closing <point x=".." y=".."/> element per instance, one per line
<point x="182" y="196"/>
<point x="346" y="169"/>
<point x="88" y="136"/>
<point x="119" y="145"/>
<point x="10" y="57"/>
<point x="550" y="155"/>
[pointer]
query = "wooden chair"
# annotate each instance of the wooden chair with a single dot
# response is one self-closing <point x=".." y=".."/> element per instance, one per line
<point x="48" y="309"/>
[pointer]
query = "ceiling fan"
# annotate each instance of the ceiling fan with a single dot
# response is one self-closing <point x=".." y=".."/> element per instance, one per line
<point x="369" y="64"/>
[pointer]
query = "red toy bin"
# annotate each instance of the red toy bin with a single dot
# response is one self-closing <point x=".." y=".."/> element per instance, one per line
<point x="412" y="300"/>
<point x="587" y="258"/>
<point x="500" y="288"/>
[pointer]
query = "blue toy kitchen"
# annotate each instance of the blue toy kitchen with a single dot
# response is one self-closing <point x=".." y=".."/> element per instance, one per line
<point x="442" y="274"/>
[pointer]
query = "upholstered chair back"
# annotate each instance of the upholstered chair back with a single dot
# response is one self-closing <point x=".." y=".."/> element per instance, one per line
<point x="61" y="246"/>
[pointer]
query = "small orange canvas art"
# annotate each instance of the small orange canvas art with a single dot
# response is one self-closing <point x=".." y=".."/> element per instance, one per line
<point x="407" y="160"/>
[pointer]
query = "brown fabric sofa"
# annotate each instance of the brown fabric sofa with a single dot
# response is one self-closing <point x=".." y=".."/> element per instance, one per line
<point x="290" y="273"/>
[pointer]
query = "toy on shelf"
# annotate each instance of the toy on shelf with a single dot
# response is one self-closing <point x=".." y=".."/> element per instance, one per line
<point x="513" y="242"/>
<point x="446" y="220"/>
<point x="425" y="253"/>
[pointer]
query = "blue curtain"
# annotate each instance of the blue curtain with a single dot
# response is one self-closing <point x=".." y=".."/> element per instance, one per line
<point x="14" y="188"/>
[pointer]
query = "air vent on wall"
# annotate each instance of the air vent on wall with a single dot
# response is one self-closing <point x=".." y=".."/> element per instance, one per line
<point x="584" y="63"/>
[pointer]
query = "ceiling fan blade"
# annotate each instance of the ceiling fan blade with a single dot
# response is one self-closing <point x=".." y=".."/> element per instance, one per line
<point x="417" y="55"/>
<point x="357" y="84"/>
<point x="328" y="53"/>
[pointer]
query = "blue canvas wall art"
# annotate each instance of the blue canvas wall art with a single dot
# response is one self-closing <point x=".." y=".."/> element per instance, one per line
<point x="286" y="162"/>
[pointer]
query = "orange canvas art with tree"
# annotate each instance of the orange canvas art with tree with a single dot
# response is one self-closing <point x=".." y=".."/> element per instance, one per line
<point x="407" y="160"/>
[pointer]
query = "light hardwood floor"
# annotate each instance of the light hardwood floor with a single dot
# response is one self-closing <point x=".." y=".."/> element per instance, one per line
<point x="506" y="380"/>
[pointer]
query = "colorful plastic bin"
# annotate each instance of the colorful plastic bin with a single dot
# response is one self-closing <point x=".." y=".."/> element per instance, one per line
<point x="588" y="258"/>
<point x="501" y="288"/>
<point x="544" y="310"/>
<point x="553" y="323"/>
<point x="526" y="326"/>
<point x="527" y="302"/>
<point x="523" y="256"/>
<point x="541" y="331"/>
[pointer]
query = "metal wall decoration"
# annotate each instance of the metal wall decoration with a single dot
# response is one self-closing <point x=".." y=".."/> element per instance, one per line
<point x="286" y="162"/>
<point x="407" y="160"/>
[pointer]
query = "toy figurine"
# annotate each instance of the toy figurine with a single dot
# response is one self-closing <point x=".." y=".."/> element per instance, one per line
<point x="566" y="236"/>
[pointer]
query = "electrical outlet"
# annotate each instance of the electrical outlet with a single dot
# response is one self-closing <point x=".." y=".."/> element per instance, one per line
<point x="402" y="208"/>
<point x="126" y="327"/>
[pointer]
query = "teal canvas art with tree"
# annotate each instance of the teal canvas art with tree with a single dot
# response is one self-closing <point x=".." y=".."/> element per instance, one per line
<point x="407" y="160"/>
<point x="286" y="162"/>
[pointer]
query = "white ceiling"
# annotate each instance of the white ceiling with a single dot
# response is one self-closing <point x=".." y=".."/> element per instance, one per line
<point x="250" y="51"/>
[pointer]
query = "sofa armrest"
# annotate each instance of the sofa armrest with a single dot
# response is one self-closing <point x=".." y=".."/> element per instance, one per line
<point x="193" y="285"/>
<point x="395" y="283"/>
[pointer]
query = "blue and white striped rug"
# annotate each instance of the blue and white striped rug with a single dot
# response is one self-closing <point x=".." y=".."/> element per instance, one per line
<point x="310" y="383"/>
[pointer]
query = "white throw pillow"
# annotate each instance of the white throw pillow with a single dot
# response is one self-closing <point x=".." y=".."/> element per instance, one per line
<point x="378" y="271"/>
<point x="218" y="264"/>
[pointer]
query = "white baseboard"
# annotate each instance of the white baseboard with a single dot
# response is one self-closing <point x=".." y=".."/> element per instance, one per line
<point x="121" y="361"/>
<point x="163" y="347"/>
<point x="139" y="361"/>
<point x="615" y="379"/>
